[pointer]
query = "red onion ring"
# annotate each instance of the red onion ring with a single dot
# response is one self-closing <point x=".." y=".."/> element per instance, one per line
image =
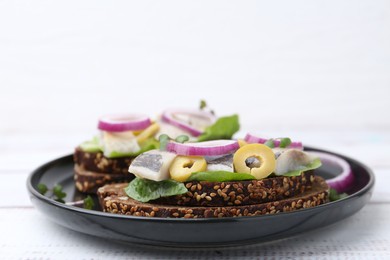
<point x="249" y="138"/>
<point x="123" y="122"/>
<point x="207" y="148"/>
<point x="342" y="181"/>
<point x="168" y="116"/>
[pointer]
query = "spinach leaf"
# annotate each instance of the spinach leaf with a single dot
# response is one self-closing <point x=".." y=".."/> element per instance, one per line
<point x="316" y="163"/>
<point x="220" y="176"/>
<point x="149" y="144"/>
<point x="92" y="146"/>
<point x="144" y="190"/>
<point x="223" y="128"/>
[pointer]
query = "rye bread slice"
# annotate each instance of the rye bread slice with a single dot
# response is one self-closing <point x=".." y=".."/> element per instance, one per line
<point x="202" y="193"/>
<point x="89" y="181"/>
<point x="113" y="199"/>
<point x="97" y="162"/>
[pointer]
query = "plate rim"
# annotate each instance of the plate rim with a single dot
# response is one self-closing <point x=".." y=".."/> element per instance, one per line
<point x="41" y="170"/>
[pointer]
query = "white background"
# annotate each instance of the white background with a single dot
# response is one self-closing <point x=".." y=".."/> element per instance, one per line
<point x="317" y="71"/>
<point x="284" y="64"/>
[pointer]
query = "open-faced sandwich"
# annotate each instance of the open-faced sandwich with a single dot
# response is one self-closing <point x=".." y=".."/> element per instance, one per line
<point x="106" y="158"/>
<point x="221" y="178"/>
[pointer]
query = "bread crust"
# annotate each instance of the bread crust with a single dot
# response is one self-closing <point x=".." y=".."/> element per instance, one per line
<point x="89" y="181"/>
<point x="97" y="162"/>
<point x="202" y="193"/>
<point x="113" y="199"/>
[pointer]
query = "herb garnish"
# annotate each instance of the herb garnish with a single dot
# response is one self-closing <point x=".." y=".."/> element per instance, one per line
<point x="203" y="106"/>
<point x="164" y="140"/>
<point x="334" y="195"/>
<point x="56" y="192"/>
<point x="59" y="195"/>
<point x="270" y="143"/>
<point x="284" y="142"/>
<point x="182" y="138"/>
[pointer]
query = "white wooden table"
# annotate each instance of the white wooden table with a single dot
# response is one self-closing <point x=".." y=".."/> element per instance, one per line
<point x="27" y="234"/>
<point x="315" y="71"/>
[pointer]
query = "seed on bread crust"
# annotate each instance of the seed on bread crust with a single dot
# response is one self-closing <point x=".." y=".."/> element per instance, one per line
<point x="89" y="182"/>
<point x="242" y="192"/>
<point x="97" y="162"/>
<point x="317" y="195"/>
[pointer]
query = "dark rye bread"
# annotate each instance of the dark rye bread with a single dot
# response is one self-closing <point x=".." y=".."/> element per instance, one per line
<point x="89" y="181"/>
<point x="202" y="193"/>
<point x="97" y="162"/>
<point x="113" y="199"/>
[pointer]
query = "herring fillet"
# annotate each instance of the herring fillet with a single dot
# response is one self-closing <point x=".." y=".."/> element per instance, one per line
<point x="220" y="163"/>
<point x="124" y="142"/>
<point x="152" y="165"/>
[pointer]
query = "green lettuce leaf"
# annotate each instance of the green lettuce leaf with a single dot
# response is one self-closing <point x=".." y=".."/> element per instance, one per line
<point x="334" y="195"/>
<point x="316" y="163"/>
<point x="91" y="146"/>
<point x="149" y="144"/>
<point x="220" y="176"/>
<point x="223" y="128"/>
<point x="144" y="190"/>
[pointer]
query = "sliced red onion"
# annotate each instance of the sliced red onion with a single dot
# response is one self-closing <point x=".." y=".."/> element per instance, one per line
<point x="123" y="122"/>
<point x="342" y="181"/>
<point x="171" y="116"/>
<point x="207" y="148"/>
<point x="249" y="138"/>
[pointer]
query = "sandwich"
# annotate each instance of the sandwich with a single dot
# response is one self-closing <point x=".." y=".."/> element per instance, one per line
<point x="106" y="158"/>
<point x="220" y="178"/>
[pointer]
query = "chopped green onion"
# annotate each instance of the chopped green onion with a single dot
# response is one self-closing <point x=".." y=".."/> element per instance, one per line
<point x="284" y="142"/>
<point x="182" y="138"/>
<point x="163" y="139"/>
<point x="57" y="191"/>
<point x="88" y="202"/>
<point x="334" y="195"/>
<point x="58" y="195"/>
<point x="270" y="143"/>
<point x="42" y="188"/>
<point x="203" y="104"/>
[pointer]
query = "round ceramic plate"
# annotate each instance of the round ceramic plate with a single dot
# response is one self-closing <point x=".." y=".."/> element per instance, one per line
<point x="193" y="232"/>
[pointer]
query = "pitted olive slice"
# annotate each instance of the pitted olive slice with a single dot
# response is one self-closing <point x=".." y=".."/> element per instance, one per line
<point x="255" y="159"/>
<point x="241" y="142"/>
<point x="183" y="166"/>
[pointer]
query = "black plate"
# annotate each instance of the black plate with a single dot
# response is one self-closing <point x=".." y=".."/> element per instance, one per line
<point x="193" y="232"/>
